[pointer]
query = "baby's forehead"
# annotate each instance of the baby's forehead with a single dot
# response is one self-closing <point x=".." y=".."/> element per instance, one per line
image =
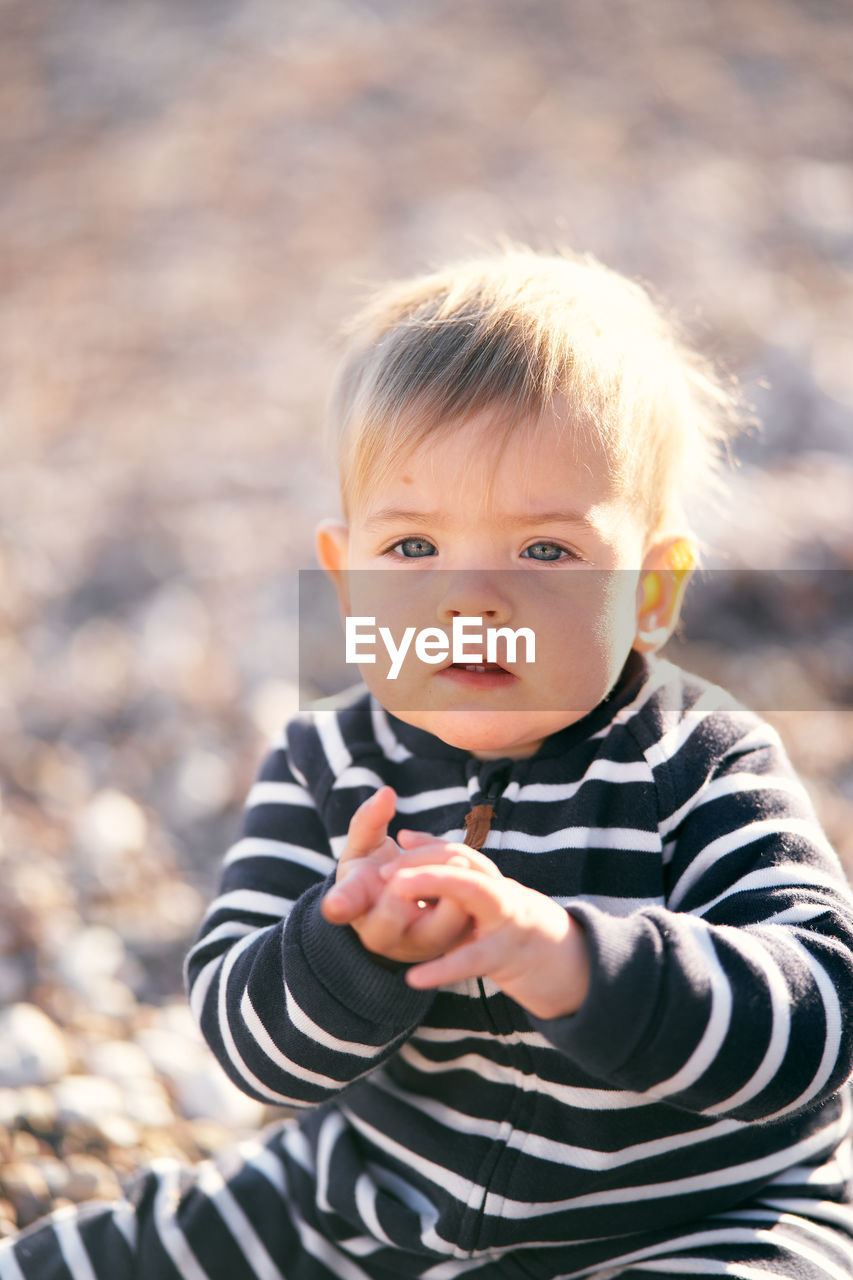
<point x="490" y="439"/>
<point x="485" y="468"/>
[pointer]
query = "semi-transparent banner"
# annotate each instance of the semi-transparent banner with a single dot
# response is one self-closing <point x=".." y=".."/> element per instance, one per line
<point x="548" y="638"/>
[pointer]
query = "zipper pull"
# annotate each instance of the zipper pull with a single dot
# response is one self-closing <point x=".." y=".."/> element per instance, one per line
<point x="477" y="824"/>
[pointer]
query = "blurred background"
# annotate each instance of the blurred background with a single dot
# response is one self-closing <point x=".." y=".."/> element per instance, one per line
<point x="193" y="198"/>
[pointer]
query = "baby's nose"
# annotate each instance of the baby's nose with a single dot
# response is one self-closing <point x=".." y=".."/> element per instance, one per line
<point x="475" y="594"/>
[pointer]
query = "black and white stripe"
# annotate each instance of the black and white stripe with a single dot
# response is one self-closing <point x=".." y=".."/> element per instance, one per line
<point x="690" y="1119"/>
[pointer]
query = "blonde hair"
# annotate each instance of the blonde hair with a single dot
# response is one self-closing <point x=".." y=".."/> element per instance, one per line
<point x="516" y="331"/>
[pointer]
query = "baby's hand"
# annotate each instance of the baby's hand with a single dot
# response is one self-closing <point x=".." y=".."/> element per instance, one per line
<point x="368" y="847"/>
<point x="524" y="941"/>
<point x="388" y="926"/>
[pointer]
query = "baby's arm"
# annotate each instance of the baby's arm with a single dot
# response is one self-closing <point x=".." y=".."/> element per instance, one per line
<point x="734" y="1000"/>
<point x="293" y="1007"/>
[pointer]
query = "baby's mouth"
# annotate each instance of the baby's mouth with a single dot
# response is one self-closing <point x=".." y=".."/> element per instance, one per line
<point x="484" y="675"/>
<point x="477" y="666"/>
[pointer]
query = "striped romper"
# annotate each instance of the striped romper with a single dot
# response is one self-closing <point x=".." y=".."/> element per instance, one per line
<point x="690" y="1119"/>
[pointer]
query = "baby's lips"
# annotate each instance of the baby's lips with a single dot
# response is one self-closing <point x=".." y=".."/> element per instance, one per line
<point x="476" y="666"/>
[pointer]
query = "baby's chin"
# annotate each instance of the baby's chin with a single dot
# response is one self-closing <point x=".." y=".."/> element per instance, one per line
<point x="491" y="734"/>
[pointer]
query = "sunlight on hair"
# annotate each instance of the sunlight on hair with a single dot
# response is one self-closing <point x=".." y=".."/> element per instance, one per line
<point x="519" y="332"/>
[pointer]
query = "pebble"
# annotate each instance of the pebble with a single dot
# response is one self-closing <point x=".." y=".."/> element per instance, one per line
<point x="200" y="1086"/>
<point x="205" y="1092"/>
<point x="84" y="1100"/>
<point x="89" y="957"/>
<point x="119" y="1132"/>
<point x="118" y="1060"/>
<point x="203" y="785"/>
<point x="90" y="1179"/>
<point x="32" y="1047"/>
<point x="25" y="1145"/>
<point x="112" y="823"/>
<point x="25" y="1186"/>
<point x="146" y="1103"/>
<point x="36" y="1108"/>
<point x="55" y="1173"/>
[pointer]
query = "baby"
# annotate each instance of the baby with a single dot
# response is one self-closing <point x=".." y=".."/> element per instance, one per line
<point x="548" y="951"/>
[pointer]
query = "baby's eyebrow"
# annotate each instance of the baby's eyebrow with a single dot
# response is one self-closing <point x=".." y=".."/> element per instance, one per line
<point x="406" y="515"/>
<point x="402" y="515"/>
<point x="547" y="517"/>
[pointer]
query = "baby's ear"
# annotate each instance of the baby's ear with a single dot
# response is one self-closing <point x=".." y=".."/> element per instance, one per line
<point x="663" y="578"/>
<point x="331" y="542"/>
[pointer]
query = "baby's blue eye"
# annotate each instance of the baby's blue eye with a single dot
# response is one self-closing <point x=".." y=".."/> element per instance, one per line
<point x="544" y="551"/>
<point x="415" y="548"/>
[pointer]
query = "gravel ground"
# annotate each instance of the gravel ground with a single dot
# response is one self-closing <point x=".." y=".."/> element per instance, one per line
<point x="193" y="197"/>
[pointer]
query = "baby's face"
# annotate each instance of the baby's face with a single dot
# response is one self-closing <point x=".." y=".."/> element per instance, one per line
<point x="551" y="546"/>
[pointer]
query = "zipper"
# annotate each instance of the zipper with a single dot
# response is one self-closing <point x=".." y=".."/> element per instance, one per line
<point x="477" y="823"/>
<point x="492" y="779"/>
<point x="478" y="820"/>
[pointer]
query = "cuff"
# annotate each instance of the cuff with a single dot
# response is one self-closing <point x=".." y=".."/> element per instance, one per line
<point x="350" y="974"/>
<point x="621" y="1006"/>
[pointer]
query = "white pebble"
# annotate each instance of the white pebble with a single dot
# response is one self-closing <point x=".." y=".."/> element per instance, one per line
<point x="32" y="1047"/>
<point x="202" y="1089"/>
<point x="147" y="1103"/>
<point x="202" y="784"/>
<point x="92" y="954"/>
<point x="209" y="1094"/>
<point x="85" y="1099"/>
<point x="112" y="824"/>
<point x="118" y="1060"/>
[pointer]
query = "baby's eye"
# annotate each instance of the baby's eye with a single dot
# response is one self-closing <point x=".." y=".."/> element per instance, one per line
<point x="546" y="551"/>
<point x="415" y="548"/>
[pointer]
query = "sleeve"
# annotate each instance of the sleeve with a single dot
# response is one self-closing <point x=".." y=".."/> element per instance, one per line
<point x="735" y="998"/>
<point x="294" y="1008"/>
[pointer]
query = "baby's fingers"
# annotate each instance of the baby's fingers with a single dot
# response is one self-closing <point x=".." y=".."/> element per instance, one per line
<point x="369" y="824"/>
<point x="353" y="895"/>
<point x="382" y="929"/>
<point x="437" y="925"/>
<point x="479" y="895"/>
<point x="471" y="960"/>
<point x="430" y="851"/>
